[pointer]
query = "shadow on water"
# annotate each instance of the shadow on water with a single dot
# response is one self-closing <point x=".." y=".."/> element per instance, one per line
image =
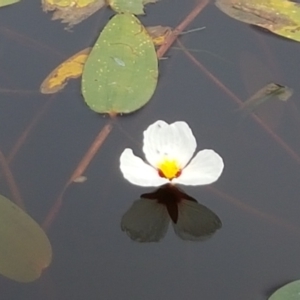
<point x="148" y="218"/>
<point x="48" y="141"/>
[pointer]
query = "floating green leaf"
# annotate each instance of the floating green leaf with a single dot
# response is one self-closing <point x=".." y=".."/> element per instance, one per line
<point x="290" y="291"/>
<point x="135" y="7"/>
<point x="25" y="250"/>
<point x="120" y="74"/>
<point x="8" y="2"/>
<point x="279" y="16"/>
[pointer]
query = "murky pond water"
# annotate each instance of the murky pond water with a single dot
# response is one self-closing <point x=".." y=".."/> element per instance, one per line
<point x="257" y="197"/>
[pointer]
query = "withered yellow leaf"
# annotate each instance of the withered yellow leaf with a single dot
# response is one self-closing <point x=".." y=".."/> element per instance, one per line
<point x="159" y="34"/>
<point x="71" y="68"/>
<point x="72" y="11"/>
<point x="68" y="3"/>
<point x="281" y="17"/>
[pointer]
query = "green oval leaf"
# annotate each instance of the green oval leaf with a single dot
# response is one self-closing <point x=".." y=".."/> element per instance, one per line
<point x="24" y="247"/>
<point x="8" y="2"/>
<point x="120" y="74"/>
<point x="290" y="291"/>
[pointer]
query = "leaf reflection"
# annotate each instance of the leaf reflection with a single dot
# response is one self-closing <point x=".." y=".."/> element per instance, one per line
<point x="148" y="218"/>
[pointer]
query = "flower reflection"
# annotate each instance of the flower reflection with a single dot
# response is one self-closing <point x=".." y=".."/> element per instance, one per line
<point x="148" y="218"/>
<point x="169" y="149"/>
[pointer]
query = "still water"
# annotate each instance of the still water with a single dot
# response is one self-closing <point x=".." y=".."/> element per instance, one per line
<point x="256" y="198"/>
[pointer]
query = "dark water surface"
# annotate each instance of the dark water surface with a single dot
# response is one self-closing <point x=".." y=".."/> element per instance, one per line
<point x="257" y="249"/>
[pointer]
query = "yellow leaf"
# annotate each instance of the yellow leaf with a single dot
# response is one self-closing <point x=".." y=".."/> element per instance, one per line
<point x="72" y="11"/>
<point x="71" y="68"/>
<point x="159" y="34"/>
<point x="69" y="3"/>
<point x="279" y="16"/>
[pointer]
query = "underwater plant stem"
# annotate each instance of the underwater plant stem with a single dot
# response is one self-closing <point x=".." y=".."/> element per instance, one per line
<point x="272" y="134"/>
<point x="16" y="196"/>
<point x="22" y="138"/>
<point x="90" y="154"/>
<point x="247" y="208"/>
<point x="30" y="43"/>
<point x="179" y="29"/>
<point x="22" y="92"/>
<point x="79" y="170"/>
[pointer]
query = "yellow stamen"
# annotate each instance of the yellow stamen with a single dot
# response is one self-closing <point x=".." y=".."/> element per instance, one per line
<point x="169" y="169"/>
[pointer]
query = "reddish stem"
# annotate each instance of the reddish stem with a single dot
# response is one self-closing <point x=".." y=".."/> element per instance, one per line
<point x="16" y="196"/>
<point x="275" y="137"/>
<point x="30" y="43"/>
<point x="80" y="169"/>
<point x="21" y="140"/>
<point x="173" y="36"/>
<point x="270" y="218"/>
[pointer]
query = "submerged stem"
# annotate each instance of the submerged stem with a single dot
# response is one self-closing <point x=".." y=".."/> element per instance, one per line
<point x="178" y="30"/>
<point x="249" y="209"/>
<point x="273" y="135"/>
<point x="22" y="138"/>
<point x="79" y="170"/>
<point x="16" y="196"/>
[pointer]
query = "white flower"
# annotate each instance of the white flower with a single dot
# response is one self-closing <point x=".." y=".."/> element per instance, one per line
<point x="168" y="150"/>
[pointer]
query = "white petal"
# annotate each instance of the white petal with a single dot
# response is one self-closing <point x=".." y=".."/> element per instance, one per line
<point x="173" y="141"/>
<point x="146" y="221"/>
<point x="195" y="221"/>
<point x="136" y="171"/>
<point x="205" y="168"/>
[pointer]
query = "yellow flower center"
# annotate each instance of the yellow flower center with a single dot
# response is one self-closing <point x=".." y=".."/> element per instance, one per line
<point x="169" y="169"/>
